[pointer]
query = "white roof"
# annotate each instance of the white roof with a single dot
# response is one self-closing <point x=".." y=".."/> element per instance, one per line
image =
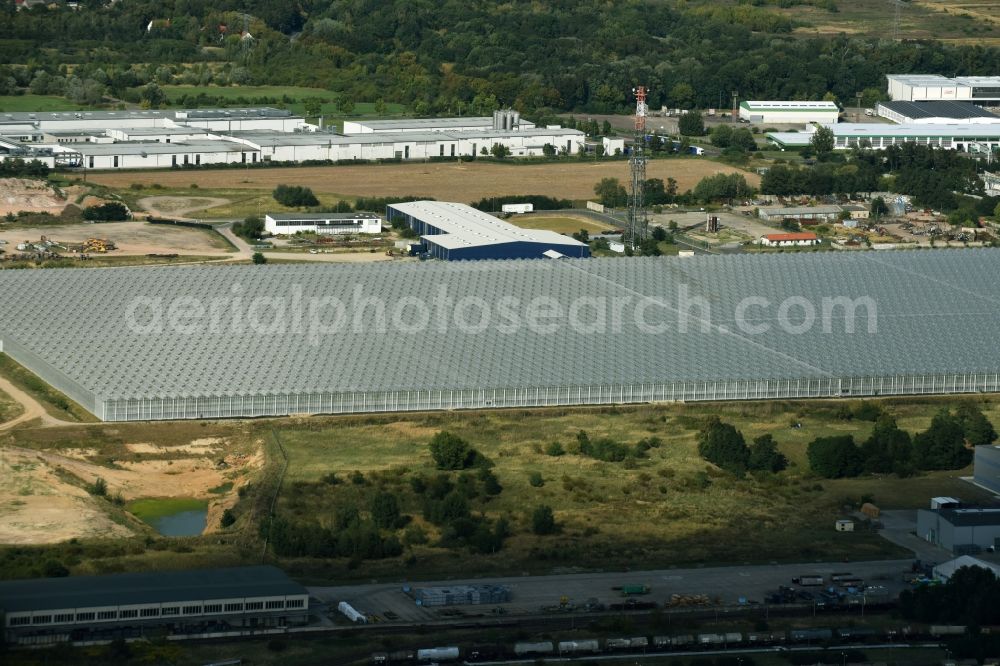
<point x="978" y="80"/>
<point x="947" y="569"/>
<point x="793" y="105"/>
<point x="152" y="147"/>
<point x="920" y="79"/>
<point x="464" y="226"/>
<point x="914" y="129"/>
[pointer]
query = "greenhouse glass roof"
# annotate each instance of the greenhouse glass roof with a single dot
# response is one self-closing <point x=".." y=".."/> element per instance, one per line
<point x="158" y="332"/>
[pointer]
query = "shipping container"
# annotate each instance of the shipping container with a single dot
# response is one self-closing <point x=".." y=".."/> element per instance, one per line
<point x="579" y="647"/>
<point x="524" y="649"/>
<point x="438" y="654"/>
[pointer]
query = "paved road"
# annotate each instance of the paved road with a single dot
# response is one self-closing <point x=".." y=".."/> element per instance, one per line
<point x="530" y="593"/>
<point x="900" y="526"/>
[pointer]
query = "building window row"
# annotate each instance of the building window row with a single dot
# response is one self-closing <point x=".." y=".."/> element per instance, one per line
<point x="131" y="613"/>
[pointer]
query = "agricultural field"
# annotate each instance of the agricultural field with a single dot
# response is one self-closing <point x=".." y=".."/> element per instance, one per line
<point x="563" y="224"/>
<point x="960" y="21"/>
<point x="445" y="181"/>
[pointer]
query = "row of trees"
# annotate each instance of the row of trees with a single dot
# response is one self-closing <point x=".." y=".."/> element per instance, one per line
<point x="611" y="192"/>
<point x="946" y="444"/>
<point x="931" y="176"/>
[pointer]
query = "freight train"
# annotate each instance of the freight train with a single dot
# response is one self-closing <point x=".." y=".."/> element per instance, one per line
<point x="645" y="644"/>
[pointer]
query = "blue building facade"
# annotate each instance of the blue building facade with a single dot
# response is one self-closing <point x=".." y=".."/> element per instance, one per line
<point x="456" y="232"/>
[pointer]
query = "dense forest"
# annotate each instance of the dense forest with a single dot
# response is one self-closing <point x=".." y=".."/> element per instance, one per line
<point x="456" y="56"/>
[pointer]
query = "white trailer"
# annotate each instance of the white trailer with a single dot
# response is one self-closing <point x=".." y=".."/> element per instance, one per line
<point x="518" y="208"/>
<point x="351" y="613"/>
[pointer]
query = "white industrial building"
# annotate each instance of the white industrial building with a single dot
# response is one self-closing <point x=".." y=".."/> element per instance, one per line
<point x="787" y="112"/>
<point x="936" y="113"/>
<point x="407" y="146"/>
<point x="789" y="239"/>
<point x="164" y="139"/>
<point x="503" y="119"/>
<point x="155" y="134"/>
<point x="925" y="87"/>
<point x="958" y="136"/>
<point x="162" y="155"/>
<point x="322" y="223"/>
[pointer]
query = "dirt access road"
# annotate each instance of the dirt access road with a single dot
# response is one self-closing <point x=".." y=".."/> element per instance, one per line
<point x="445" y="181"/>
<point x="32" y="409"/>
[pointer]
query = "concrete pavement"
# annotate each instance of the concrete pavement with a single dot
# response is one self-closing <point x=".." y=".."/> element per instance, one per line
<point x="530" y="593"/>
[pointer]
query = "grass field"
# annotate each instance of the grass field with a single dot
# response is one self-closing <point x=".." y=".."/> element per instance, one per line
<point x="238" y="203"/>
<point x="36" y="103"/>
<point x="662" y="511"/>
<point x="971" y="21"/>
<point x="8" y="408"/>
<point x="563" y="224"/>
<point x="445" y="181"/>
<point x="149" y="510"/>
<point x="54" y="402"/>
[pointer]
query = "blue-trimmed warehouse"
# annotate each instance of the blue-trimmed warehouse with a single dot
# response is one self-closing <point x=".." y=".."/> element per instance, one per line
<point x="456" y="232"/>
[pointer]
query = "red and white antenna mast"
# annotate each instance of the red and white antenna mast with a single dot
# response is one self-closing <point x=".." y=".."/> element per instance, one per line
<point x="638" y="224"/>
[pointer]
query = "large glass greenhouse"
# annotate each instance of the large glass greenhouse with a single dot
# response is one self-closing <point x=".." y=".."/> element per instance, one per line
<point x="242" y="341"/>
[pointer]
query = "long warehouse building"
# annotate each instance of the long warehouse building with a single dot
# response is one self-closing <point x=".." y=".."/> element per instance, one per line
<point x="206" y="602"/>
<point x="789" y="112"/>
<point x="242" y="341"/>
<point x="964" y="137"/>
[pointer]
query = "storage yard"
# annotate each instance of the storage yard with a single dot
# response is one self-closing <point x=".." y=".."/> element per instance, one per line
<point x="714" y="587"/>
<point x="129" y="239"/>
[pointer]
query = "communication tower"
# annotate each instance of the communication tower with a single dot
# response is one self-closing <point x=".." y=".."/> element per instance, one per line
<point x="637" y="227"/>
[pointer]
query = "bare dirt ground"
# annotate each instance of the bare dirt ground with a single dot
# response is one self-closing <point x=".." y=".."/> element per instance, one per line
<point x="42" y="499"/>
<point x="17" y="194"/>
<point x="132" y="238"/>
<point x="167" y="206"/>
<point x="465" y="181"/>
<point x="36" y="506"/>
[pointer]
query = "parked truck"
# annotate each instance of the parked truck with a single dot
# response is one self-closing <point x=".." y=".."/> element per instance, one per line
<point x="808" y="580"/>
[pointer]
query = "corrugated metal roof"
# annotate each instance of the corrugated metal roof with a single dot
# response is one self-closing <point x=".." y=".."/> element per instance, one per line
<point x="938" y="109"/>
<point x="465" y="226"/>
<point x="145" y="588"/>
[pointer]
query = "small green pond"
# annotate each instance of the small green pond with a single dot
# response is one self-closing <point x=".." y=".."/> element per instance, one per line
<point x="171" y="516"/>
